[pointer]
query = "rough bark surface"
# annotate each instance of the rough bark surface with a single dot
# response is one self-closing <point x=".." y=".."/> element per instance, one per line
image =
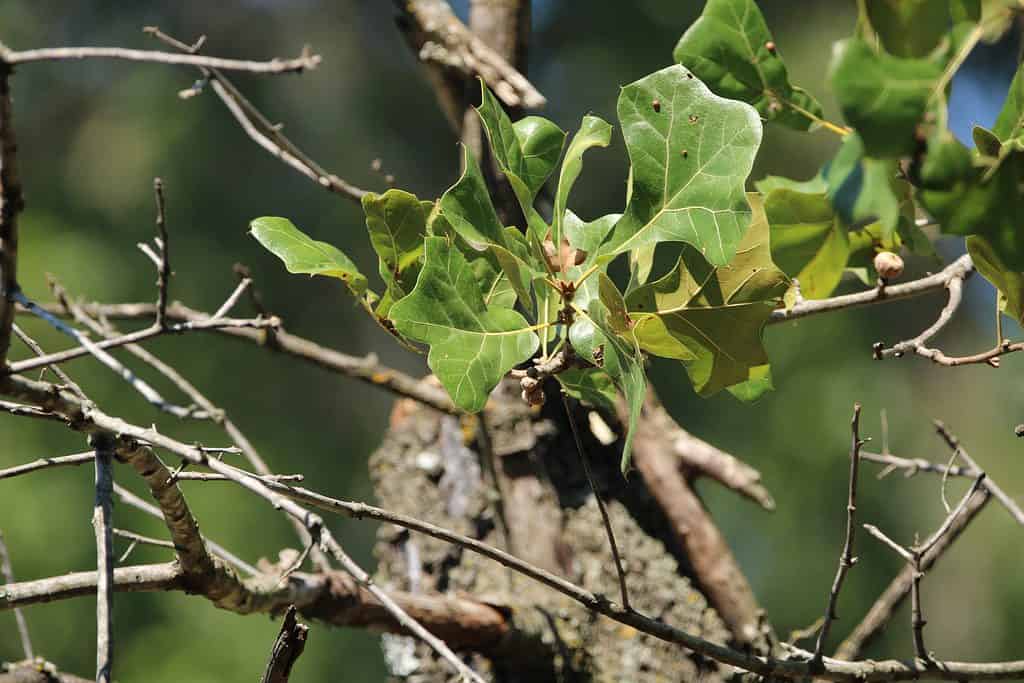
<point x="432" y="465"/>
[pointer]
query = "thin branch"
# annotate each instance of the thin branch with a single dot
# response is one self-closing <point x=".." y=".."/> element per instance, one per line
<point x="846" y="559"/>
<point x="961" y="269"/>
<point x="288" y="646"/>
<point x="260" y="129"/>
<point x="954" y="443"/>
<point x="164" y="265"/>
<point x="306" y="61"/>
<point x="885" y="540"/>
<point x="36" y="671"/>
<point x="132" y="337"/>
<point x="144" y="540"/>
<point x="11" y="204"/>
<point x="8" y="573"/>
<point x="899" y="588"/>
<point x="138" y="384"/>
<point x="619" y="569"/>
<point x="38" y="350"/>
<point x="44" y="463"/>
<point x="102" y="523"/>
<point x="366" y="369"/>
<point x="918" y="344"/>
<point x="19" y="410"/>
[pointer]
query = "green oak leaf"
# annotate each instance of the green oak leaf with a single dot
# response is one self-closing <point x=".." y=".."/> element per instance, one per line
<point x="526" y="151"/>
<point x="759" y="384"/>
<point x="1010" y="283"/>
<point x="466" y="207"/>
<point x="303" y="254"/>
<point x="588" y="236"/>
<point x="1009" y="126"/>
<point x="397" y="223"/>
<point x="712" y="318"/>
<point x="472" y="345"/>
<point x="882" y="96"/>
<point x="618" y="319"/>
<point x="861" y="187"/>
<point x="690" y="156"/>
<point x="595" y="342"/>
<point x="590" y="385"/>
<point x="594" y="132"/>
<point x="808" y="241"/>
<point x="909" y="28"/>
<point x="730" y="48"/>
<point x="986" y="141"/>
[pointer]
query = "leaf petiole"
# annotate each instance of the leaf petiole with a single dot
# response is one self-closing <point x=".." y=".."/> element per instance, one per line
<point x="587" y="273"/>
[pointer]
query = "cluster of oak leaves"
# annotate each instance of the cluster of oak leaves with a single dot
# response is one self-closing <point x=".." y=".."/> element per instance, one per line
<point x="486" y="297"/>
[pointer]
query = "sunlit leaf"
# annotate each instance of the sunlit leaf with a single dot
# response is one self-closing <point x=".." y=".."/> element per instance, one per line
<point x="396" y="221"/>
<point x="472" y="345"/>
<point x="526" y="152"/>
<point x="594" y="132"/>
<point x="712" y="318"/>
<point x="861" y="187"/>
<point x="466" y="206"/>
<point x="730" y="48"/>
<point x="691" y="152"/>
<point x="808" y="241"/>
<point x="305" y="255"/>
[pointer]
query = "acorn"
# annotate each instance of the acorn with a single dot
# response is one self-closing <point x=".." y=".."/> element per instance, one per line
<point x="889" y="265"/>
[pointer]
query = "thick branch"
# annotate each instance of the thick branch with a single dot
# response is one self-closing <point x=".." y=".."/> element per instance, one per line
<point x="288" y="646"/>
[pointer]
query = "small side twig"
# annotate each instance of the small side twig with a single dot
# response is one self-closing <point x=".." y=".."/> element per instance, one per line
<point x="290" y="642"/>
<point x="846" y="560"/>
<point x="600" y="502"/>
<point x="954" y="443"/>
<point x="8" y="573"/>
<point x="102" y="523"/>
<point x="164" y="267"/>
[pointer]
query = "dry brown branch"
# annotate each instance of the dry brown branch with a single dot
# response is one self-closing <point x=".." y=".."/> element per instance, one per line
<point x="306" y="61"/>
<point x="846" y="559"/>
<point x="441" y="41"/>
<point x="715" y="568"/>
<point x="288" y="646"/>
<point x="163" y="265"/>
<point x="38" y="350"/>
<point x="954" y="443"/>
<point x="44" y="463"/>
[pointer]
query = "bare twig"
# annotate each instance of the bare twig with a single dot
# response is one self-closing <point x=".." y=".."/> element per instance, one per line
<point x="43" y="463"/>
<point x="899" y="588"/>
<point x="288" y="646"/>
<point x="619" y="569"/>
<point x="11" y="204"/>
<point x="959" y="269"/>
<point x="914" y="556"/>
<point x="131" y="337"/>
<point x="366" y="369"/>
<point x="8" y="573"/>
<point x="163" y="280"/>
<point x="38" y="350"/>
<point x="846" y="559"/>
<point x="102" y="523"/>
<point x="954" y="443"/>
<point x="29" y="411"/>
<point x="144" y="540"/>
<point x="275" y="66"/>
<point x="259" y="128"/>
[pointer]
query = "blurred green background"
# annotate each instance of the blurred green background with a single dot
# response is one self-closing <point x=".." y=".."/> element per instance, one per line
<point x="92" y="135"/>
